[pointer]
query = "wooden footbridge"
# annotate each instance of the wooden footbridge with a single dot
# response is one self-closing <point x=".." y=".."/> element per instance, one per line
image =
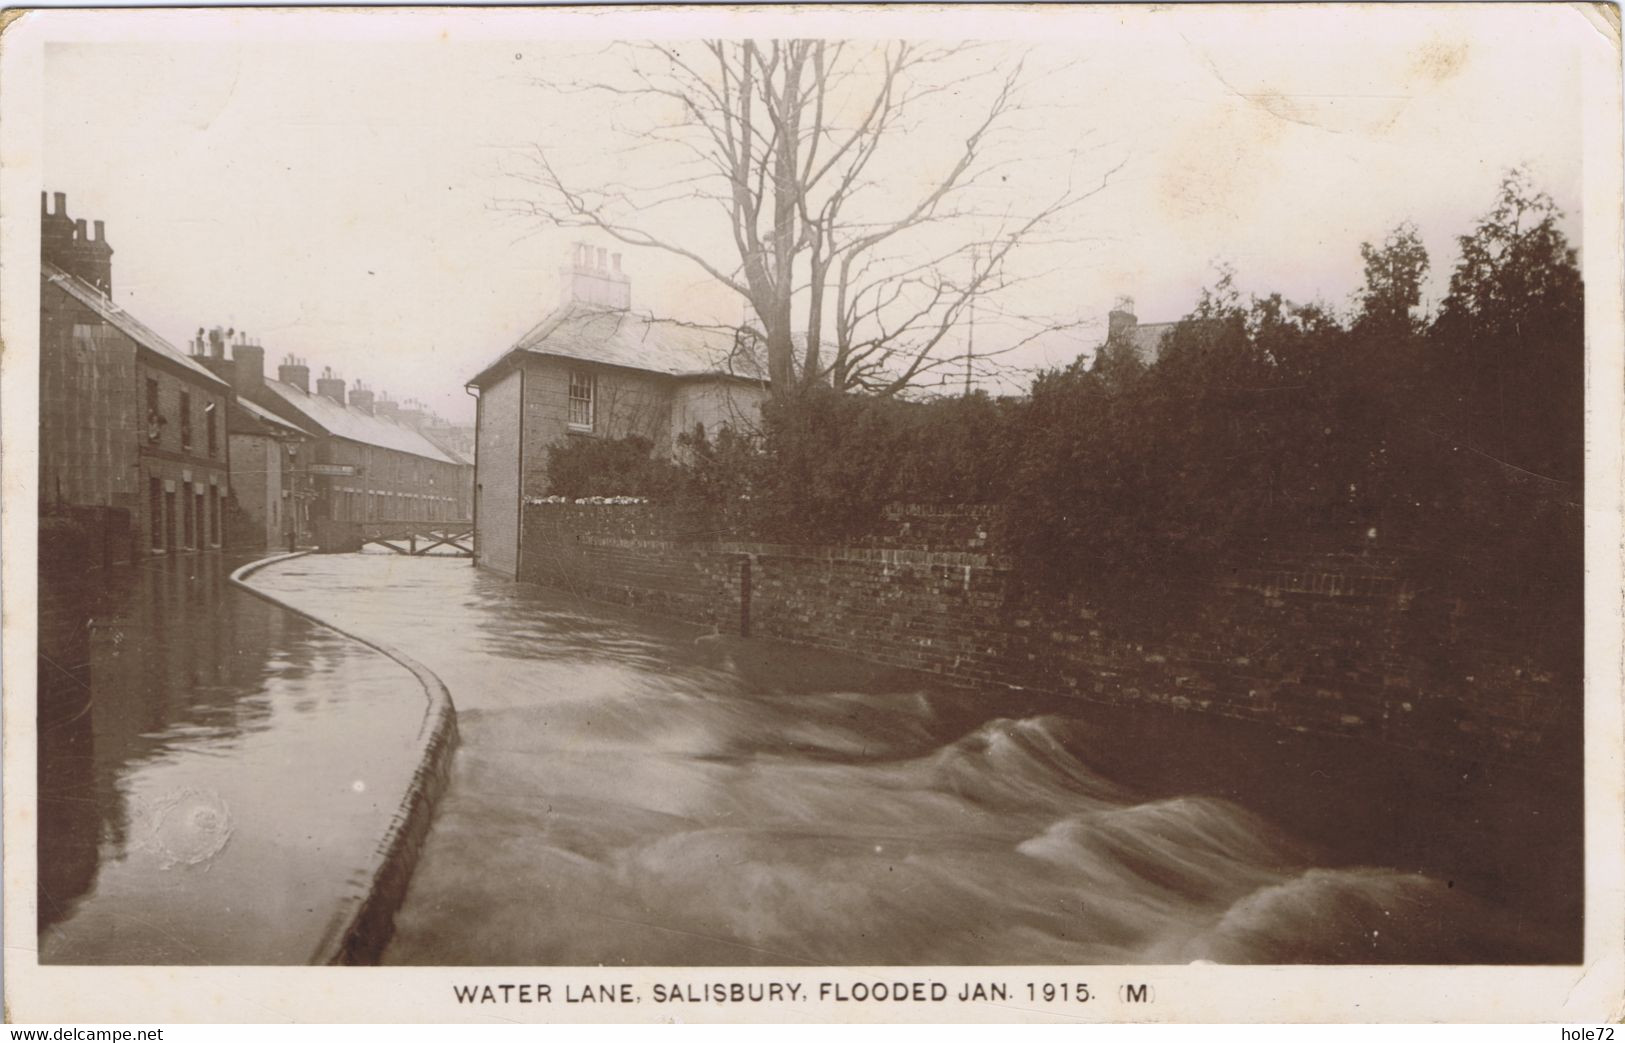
<point x="453" y="539"/>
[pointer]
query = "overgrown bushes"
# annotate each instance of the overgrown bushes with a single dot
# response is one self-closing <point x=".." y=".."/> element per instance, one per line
<point x="579" y="467"/>
<point x="1454" y="441"/>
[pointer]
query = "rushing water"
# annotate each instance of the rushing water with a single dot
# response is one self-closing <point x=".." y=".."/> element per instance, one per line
<point x="213" y="770"/>
<point x="635" y="791"/>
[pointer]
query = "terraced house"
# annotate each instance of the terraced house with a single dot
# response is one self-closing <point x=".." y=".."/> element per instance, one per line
<point x="132" y="430"/>
<point x="360" y="465"/>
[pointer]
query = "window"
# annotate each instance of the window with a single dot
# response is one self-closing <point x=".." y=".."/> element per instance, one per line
<point x="155" y="515"/>
<point x="154" y="418"/>
<point x="208" y="422"/>
<point x="581" y="395"/>
<point x="188" y="519"/>
<point x="186" y="420"/>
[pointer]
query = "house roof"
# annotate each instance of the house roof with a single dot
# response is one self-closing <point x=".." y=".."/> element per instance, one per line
<point x="633" y="340"/>
<point x="456" y="455"/>
<point x="259" y="418"/>
<point x="126" y="323"/>
<point x="354" y="424"/>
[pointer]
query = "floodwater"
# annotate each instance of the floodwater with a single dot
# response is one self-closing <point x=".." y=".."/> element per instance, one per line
<point x="635" y="791"/>
<point x="213" y="772"/>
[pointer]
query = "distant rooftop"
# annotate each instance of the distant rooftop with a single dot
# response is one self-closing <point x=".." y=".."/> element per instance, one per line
<point x="348" y="422"/>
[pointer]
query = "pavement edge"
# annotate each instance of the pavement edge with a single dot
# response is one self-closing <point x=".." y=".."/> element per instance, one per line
<point x="366" y="922"/>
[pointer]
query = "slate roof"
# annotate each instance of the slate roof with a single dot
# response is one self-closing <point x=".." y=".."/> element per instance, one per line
<point x="260" y="418"/>
<point x="324" y="414"/>
<point x="452" y="452"/>
<point x="126" y="323"/>
<point x="634" y="340"/>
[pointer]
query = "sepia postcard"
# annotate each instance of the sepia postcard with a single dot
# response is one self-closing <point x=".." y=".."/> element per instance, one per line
<point x="1103" y="513"/>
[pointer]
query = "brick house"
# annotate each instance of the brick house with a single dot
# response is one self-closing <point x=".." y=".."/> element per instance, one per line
<point x="270" y="493"/>
<point x="357" y="465"/>
<point x="595" y="368"/>
<point x="1144" y="337"/>
<point x="130" y="427"/>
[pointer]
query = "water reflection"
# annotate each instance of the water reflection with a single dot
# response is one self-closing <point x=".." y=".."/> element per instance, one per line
<point x="212" y="768"/>
<point x="631" y="791"/>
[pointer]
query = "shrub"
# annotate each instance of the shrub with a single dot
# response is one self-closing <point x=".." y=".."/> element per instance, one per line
<point x="578" y="467"/>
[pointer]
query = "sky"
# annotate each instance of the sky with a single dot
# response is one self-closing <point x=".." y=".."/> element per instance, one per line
<point x="336" y="186"/>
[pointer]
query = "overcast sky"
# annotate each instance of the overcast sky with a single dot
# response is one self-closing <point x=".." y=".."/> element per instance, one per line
<point x="337" y="197"/>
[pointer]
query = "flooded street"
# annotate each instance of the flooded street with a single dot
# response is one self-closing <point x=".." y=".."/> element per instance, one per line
<point x="213" y="769"/>
<point x="635" y="791"/>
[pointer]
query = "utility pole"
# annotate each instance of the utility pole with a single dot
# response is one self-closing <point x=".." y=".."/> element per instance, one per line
<point x="970" y="345"/>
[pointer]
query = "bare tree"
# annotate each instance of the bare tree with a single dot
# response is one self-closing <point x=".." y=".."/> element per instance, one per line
<point x="864" y="188"/>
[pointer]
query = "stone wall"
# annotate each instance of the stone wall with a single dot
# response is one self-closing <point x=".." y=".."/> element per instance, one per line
<point x="1324" y="643"/>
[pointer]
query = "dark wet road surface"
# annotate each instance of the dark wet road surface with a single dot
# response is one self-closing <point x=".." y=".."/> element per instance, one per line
<point x="213" y="769"/>
<point x="632" y="791"/>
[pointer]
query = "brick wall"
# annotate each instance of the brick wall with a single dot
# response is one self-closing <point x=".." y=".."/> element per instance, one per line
<point x="712" y="404"/>
<point x="256" y="490"/>
<point x="626" y="402"/>
<point x="1318" y="643"/>
<point x="190" y="480"/>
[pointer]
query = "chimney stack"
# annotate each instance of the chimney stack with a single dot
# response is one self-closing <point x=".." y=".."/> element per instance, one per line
<point x="385" y="406"/>
<point x="65" y="243"/>
<point x="330" y="386"/>
<point x="412" y="413"/>
<point x="209" y="347"/>
<point x="247" y="368"/>
<point x="593" y="277"/>
<point x="1121" y="320"/>
<point x="296" y="372"/>
<point x="56" y="232"/>
<point x="361" y="397"/>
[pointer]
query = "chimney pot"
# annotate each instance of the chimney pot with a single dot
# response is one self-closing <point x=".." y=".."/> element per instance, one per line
<point x="330" y="386"/>
<point x="1121" y="318"/>
<point x="61" y="204"/>
<point x="589" y="279"/>
<point x="295" y="373"/>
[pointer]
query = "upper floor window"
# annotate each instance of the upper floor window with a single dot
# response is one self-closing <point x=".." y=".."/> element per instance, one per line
<point x="186" y="420"/>
<point x="581" y="400"/>
<point x="209" y="425"/>
<point x="154" y="418"/>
